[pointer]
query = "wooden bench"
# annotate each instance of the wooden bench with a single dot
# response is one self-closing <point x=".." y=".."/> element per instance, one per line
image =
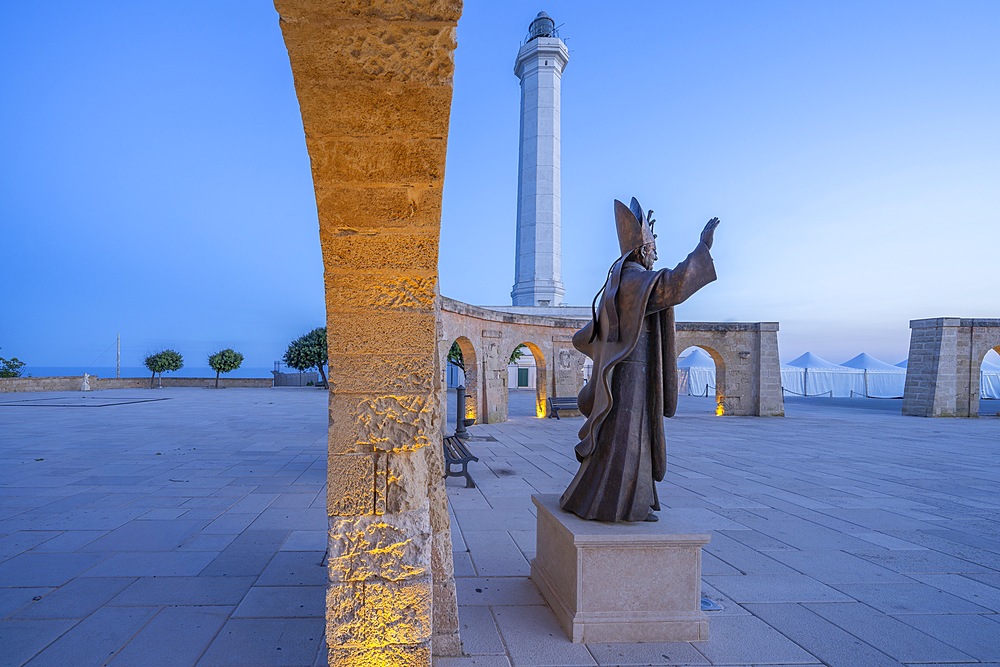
<point x="561" y="403"/>
<point x="456" y="453"/>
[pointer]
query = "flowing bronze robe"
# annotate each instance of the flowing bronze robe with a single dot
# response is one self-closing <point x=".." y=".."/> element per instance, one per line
<point x="622" y="447"/>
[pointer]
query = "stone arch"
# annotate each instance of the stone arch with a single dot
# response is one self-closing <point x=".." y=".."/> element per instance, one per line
<point x="943" y="366"/>
<point x="748" y="373"/>
<point x="471" y="362"/>
<point x="541" y="375"/>
<point x="748" y="350"/>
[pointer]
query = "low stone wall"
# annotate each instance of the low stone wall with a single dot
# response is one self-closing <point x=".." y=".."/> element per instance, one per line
<point x="72" y="383"/>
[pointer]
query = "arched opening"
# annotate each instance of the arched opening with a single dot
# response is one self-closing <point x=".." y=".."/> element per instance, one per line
<point x="527" y="374"/>
<point x="462" y="367"/>
<point x="989" y="381"/>
<point x="702" y="373"/>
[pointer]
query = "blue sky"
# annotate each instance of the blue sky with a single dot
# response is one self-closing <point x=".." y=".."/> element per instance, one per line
<point x="154" y="179"/>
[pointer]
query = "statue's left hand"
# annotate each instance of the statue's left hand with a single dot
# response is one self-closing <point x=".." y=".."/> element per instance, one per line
<point x="708" y="234"/>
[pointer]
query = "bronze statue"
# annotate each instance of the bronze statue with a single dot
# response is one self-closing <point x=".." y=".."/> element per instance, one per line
<point x="631" y="339"/>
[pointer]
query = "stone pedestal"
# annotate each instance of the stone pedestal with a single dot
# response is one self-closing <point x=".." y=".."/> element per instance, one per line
<point x="619" y="582"/>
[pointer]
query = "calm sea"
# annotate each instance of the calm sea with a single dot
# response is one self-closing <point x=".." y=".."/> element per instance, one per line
<point x="141" y="372"/>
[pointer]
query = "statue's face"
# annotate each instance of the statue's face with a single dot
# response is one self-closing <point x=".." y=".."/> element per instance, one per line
<point x="647" y="255"/>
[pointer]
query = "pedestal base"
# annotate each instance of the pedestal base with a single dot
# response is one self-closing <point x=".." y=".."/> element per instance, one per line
<point x="619" y="582"/>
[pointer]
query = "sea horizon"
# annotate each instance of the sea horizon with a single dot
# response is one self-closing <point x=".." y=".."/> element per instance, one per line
<point x="141" y="372"/>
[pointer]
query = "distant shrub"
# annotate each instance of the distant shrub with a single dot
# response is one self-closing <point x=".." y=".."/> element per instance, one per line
<point x="308" y="351"/>
<point x="11" y="368"/>
<point x="163" y="362"/>
<point x="224" y="361"/>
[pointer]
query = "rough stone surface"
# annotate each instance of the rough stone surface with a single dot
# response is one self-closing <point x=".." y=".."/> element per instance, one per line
<point x="374" y="81"/>
<point x="370" y="547"/>
<point x="351" y="479"/>
<point x="409" y="655"/>
<point x="373" y="613"/>
<point x="360" y="292"/>
<point x="354" y="373"/>
<point x="381" y="207"/>
<point x="411" y="10"/>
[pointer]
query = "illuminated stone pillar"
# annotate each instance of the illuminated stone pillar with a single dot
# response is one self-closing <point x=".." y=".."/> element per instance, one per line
<point x="374" y="82"/>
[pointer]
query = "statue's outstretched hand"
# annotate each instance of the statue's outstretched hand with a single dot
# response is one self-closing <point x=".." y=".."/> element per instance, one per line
<point x="708" y="234"/>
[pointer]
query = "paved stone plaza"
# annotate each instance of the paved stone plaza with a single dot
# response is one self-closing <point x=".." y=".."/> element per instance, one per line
<point x="187" y="526"/>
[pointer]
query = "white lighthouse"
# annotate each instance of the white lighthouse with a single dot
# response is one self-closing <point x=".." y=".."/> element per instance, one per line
<point x="538" y="263"/>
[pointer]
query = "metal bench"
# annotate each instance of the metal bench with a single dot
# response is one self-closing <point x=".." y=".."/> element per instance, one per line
<point x="561" y="403"/>
<point x="456" y="453"/>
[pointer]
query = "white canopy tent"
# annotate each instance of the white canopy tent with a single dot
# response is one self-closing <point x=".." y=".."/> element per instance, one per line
<point x="696" y="373"/>
<point x="809" y="375"/>
<point x="880" y="380"/>
<point x="989" y="380"/>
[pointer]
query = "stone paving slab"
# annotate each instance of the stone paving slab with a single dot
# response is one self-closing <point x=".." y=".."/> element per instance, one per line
<point x="893" y="637"/>
<point x="827" y="642"/>
<point x="96" y="638"/>
<point x="157" y="645"/>
<point x="189" y="530"/>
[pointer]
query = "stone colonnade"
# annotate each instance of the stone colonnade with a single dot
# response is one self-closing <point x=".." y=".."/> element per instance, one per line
<point x="374" y="84"/>
<point x="748" y="373"/>
<point x="942" y="369"/>
<point x="487" y="338"/>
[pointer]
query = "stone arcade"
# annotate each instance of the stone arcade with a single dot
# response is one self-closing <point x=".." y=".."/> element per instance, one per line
<point x="748" y="373"/>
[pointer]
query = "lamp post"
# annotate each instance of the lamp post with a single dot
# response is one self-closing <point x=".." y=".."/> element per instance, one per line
<point x="460" y="431"/>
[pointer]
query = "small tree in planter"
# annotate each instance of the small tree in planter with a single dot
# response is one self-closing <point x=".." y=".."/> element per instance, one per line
<point x="224" y="361"/>
<point x="163" y="362"/>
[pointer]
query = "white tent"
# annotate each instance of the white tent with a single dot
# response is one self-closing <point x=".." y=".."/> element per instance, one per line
<point x="989" y="380"/>
<point x="696" y="373"/>
<point x="809" y="375"/>
<point x="903" y="363"/>
<point x="881" y="380"/>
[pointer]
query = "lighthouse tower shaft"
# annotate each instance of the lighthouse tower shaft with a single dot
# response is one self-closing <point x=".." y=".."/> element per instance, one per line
<point x="538" y="263"/>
